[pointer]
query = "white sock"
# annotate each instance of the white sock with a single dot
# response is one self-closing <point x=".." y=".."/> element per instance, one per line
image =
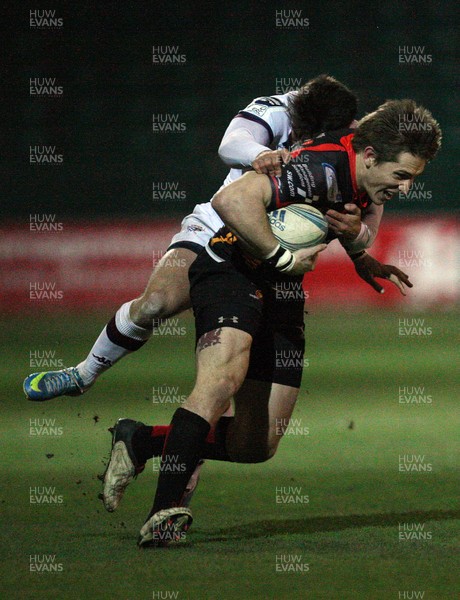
<point x="107" y="349"/>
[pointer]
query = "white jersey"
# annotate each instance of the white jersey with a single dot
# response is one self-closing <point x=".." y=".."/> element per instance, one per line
<point x="271" y="113"/>
<point x="269" y="128"/>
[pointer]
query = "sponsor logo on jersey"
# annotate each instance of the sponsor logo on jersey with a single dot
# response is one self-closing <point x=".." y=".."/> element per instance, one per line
<point x="260" y="106"/>
<point x="302" y="193"/>
<point x="333" y="194"/>
<point x="290" y="182"/>
<point x="256" y="109"/>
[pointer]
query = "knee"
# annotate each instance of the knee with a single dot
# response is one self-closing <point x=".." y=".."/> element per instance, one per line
<point x="149" y="307"/>
<point x="215" y="394"/>
<point x="210" y="397"/>
<point x="227" y="384"/>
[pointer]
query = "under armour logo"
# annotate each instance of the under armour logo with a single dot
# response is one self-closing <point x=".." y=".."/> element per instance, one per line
<point x="232" y="319"/>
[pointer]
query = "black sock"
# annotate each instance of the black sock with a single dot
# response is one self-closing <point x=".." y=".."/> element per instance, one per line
<point x="148" y="441"/>
<point x="215" y="448"/>
<point x="182" y="451"/>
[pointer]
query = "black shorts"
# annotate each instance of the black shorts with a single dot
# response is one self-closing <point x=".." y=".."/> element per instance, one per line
<point x="228" y="294"/>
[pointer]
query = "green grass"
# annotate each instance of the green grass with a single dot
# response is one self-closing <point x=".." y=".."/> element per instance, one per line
<point x="348" y="531"/>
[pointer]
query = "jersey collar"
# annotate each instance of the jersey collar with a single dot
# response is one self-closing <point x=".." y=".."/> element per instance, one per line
<point x="361" y="198"/>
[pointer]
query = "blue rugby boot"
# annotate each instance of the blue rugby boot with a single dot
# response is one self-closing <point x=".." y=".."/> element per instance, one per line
<point x="51" y="384"/>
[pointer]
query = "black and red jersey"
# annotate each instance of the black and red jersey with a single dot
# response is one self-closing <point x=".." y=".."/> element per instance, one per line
<point x="322" y="172"/>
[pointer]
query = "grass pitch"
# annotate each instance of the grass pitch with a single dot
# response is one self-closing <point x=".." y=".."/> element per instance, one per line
<point x="330" y="516"/>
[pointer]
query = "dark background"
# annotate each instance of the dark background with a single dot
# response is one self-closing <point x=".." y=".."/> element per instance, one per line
<point x="102" y="125"/>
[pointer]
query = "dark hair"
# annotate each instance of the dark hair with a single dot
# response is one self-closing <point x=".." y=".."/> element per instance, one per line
<point x="322" y="104"/>
<point x="399" y="126"/>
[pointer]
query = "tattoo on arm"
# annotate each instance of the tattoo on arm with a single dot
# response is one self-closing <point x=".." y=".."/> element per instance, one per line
<point x="212" y="338"/>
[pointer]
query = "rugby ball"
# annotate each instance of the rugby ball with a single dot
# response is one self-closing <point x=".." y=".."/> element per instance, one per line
<point x="298" y="226"/>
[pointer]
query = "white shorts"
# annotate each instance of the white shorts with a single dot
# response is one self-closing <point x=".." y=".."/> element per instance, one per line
<point x="197" y="228"/>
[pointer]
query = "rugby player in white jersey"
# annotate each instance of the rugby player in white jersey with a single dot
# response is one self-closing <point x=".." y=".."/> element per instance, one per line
<point x="257" y="138"/>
